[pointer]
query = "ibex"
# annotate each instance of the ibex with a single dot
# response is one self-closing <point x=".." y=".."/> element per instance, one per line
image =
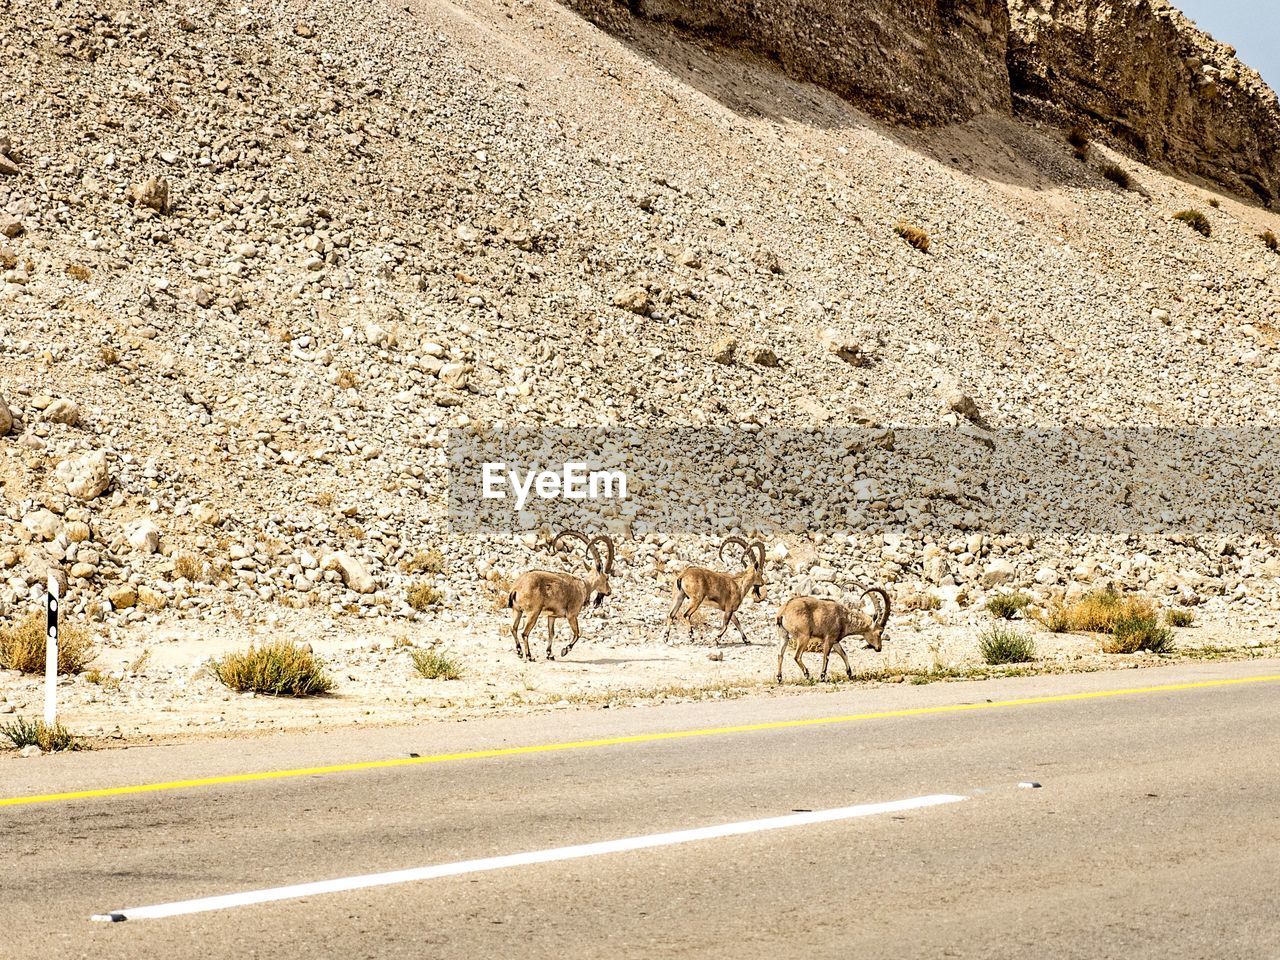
<point x="541" y="592"/>
<point x="723" y="590"/>
<point x="811" y="625"/>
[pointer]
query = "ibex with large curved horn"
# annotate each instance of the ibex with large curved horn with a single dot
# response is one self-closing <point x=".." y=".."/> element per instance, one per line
<point x="811" y="625"/>
<point x="723" y="590"/>
<point x="556" y="595"/>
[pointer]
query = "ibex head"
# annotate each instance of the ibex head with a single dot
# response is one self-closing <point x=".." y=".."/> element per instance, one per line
<point x="598" y="581"/>
<point x="880" y="600"/>
<point x="754" y="555"/>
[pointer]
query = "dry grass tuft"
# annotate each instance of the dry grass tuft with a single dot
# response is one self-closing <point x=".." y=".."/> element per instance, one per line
<point x="21" y="732"/>
<point x="281" y="668"/>
<point x="1128" y="623"/>
<point x="1006" y="606"/>
<point x="913" y="235"/>
<point x="1001" y="644"/>
<point x="346" y="380"/>
<point x="435" y="666"/>
<point x="1196" y="220"/>
<point x="1179" y="617"/>
<point x="187" y="566"/>
<point x="76" y="272"/>
<point x="1269" y="238"/>
<point x="1117" y="175"/>
<point x="22" y="646"/>
<point x="1078" y="137"/>
<point x="424" y="561"/>
<point x="423" y="596"/>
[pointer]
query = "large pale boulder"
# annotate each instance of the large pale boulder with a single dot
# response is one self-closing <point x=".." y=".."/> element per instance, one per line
<point x="353" y="573"/>
<point x="84" y="477"/>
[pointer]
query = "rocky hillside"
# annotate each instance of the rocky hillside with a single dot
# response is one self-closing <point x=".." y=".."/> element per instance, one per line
<point x="262" y="261"/>
<point x="1143" y="72"/>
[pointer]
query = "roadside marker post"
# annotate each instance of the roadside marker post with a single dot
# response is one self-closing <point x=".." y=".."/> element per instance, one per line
<point x="51" y="653"/>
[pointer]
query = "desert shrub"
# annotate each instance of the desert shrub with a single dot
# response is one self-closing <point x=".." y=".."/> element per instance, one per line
<point x="920" y="601"/>
<point x="1096" y="612"/>
<point x="1001" y="644"/>
<point x="278" y="668"/>
<point x="76" y="272"/>
<point x="1079" y="140"/>
<point x="1196" y="220"/>
<point x="1117" y="175"/>
<point x="1179" y="617"/>
<point x="1055" y="619"/>
<point x="435" y="666"/>
<point x="21" y="732"/>
<point x="423" y="596"/>
<point x="110" y="355"/>
<point x="1269" y="238"/>
<point x="1215" y="202"/>
<point x="22" y="646"/>
<point x="913" y="235"/>
<point x="324" y="498"/>
<point x="1134" y="631"/>
<point x="346" y="380"/>
<point x="187" y="566"/>
<point x="1006" y="606"/>
<point x="424" y="561"/>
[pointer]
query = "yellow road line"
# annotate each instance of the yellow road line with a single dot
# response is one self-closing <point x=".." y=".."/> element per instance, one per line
<point x="618" y="741"/>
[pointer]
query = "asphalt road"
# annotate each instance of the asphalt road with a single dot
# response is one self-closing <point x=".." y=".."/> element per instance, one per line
<point x="1155" y="833"/>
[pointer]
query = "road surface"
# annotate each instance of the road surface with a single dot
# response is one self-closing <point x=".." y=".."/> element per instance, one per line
<point x="1155" y="831"/>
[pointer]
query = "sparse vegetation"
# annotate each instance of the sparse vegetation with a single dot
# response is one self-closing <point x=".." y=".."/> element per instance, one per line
<point x="280" y="668"/>
<point x="1215" y="202"/>
<point x="1128" y="623"/>
<point x="1006" y="606"/>
<point x="324" y="498"/>
<point x="109" y="355"/>
<point x="1179" y="617"/>
<point x="1138" y="631"/>
<point x="920" y="601"/>
<point x="1001" y="644"/>
<point x="913" y="235"/>
<point x="346" y="380"/>
<point x="1078" y="137"/>
<point x="103" y="680"/>
<point x="76" y="272"/>
<point x="1269" y="238"/>
<point x="1117" y="175"/>
<point x="424" y="561"/>
<point x="1196" y="220"/>
<point x="435" y="666"/>
<point x="22" y="646"/>
<point x="424" y="596"/>
<point x="21" y="732"/>
<point x="186" y="566"/>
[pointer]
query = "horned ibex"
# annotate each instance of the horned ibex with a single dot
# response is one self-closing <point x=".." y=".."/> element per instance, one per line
<point x="540" y="592"/>
<point x="811" y="625"/>
<point x="723" y="590"/>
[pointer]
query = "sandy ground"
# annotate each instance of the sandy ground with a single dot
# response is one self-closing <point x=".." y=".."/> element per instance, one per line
<point x="156" y="683"/>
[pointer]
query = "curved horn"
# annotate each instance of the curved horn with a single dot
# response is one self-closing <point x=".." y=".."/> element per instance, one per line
<point x="758" y="548"/>
<point x="591" y="547"/>
<point x="608" y="545"/>
<point x="881" y="605"/>
<point x="738" y="541"/>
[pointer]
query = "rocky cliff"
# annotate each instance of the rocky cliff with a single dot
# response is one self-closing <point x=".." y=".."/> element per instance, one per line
<point x="1150" y="76"/>
<point x="1137" y="69"/>
<point x="927" y="61"/>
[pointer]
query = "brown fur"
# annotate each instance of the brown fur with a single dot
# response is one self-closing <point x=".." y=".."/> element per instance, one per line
<point x="554" y="595"/>
<point x="723" y="591"/>
<point x="811" y="625"/>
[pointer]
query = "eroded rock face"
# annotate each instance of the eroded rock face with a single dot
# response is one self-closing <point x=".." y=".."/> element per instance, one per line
<point x="925" y="61"/>
<point x="1149" y="75"/>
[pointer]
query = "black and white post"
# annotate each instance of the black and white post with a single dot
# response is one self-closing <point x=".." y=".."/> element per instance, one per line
<point x="51" y="654"/>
